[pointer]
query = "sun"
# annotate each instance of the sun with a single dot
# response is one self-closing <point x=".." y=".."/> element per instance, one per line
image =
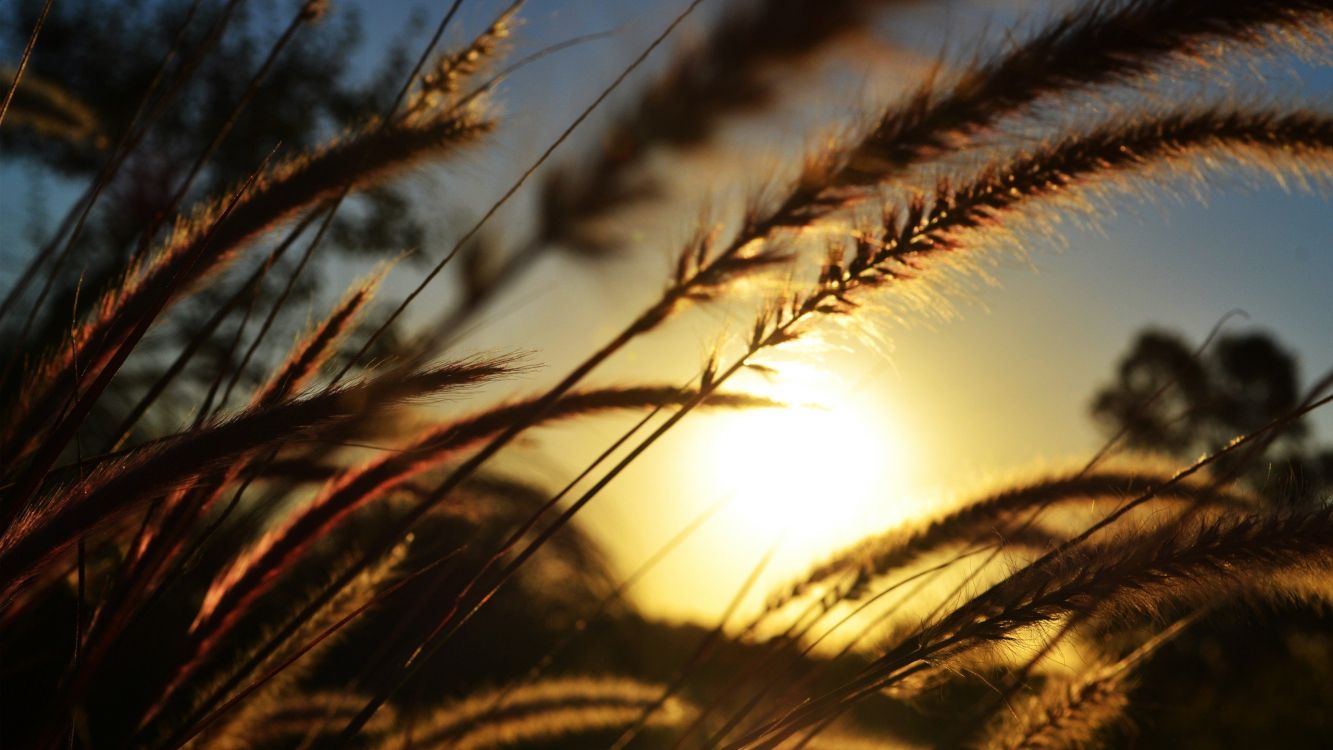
<point x="782" y="487"/>
<point x="816" y="474"/>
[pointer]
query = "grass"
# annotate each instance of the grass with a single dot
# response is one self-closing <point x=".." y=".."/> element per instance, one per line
<point x="289" y="572"/>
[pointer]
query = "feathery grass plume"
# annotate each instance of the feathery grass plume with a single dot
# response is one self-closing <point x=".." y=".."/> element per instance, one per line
<point x="23" y="60"/>
<point x="1297" y="141"/>
<point x="443" y="81"/>
<point x="43" y="529"/>
<point x="279" y="658"/>
<point x="187" y="504"/>
<point x="133" y="134"/>
<point x="870" y="559"/>
<point x="255" y="571"/>
<point x="848" y="741"/>
<point x="305" y="359"/>
<point x="203" y="244"/>
<point x="48" y="443"/>
<point x="1067" y="714"/>
<point x="48" y="110"/>
<point x="309" y="355"/>
<point x="1074" y="712"/>
<point x="314" y="10"/>
<point x="1180" y="563"/>
<point x="1277" y="140"/>
<point x="562" y="707"/>
<point x="254" y="715"/>
<point x="727" y="74"/>
<point x="1108" y="42"/>
<point x="297" y="716"/>
<point x="239" y="671"/>
<point x="243" y="297"/>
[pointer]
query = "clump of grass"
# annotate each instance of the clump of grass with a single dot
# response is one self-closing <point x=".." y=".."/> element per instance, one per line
<point x="205" y="537"/>
<point x="1074" y="712"/>
<point x="1207" y="563"/>
<point x="1095" y="44"/>
<point x="261" y="703"/>
<point x="203" y="243"/>
<point x="256" y="570"/>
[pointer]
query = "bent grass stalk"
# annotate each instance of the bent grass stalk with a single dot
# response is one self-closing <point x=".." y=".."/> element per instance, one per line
<point x="200" y="245"/>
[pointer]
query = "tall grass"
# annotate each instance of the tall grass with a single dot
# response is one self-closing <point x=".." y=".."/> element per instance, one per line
<point x="289" y="572"/>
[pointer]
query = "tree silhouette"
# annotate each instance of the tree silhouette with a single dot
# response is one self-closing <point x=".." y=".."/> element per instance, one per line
<point x="1166" y="397"/>
<point x="76" y="113"/>
<point x="307" y="93"/>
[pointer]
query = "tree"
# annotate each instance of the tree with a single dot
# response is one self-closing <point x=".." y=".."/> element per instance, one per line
<point x="1167" y="397"/>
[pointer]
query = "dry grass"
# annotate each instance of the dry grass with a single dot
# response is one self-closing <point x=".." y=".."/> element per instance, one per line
<point x="257" y="541"/>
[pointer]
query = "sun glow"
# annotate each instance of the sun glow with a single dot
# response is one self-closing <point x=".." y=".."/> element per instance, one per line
<point x="812" y="476"/>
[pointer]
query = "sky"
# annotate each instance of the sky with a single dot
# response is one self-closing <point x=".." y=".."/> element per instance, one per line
<point x="988" y="382"/>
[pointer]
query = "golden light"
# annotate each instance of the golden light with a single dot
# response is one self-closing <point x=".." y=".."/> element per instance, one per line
<point x="813" y="476"/>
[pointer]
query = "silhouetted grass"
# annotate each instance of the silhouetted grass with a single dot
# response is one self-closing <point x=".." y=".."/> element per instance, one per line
<point x="289" y="573"/>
